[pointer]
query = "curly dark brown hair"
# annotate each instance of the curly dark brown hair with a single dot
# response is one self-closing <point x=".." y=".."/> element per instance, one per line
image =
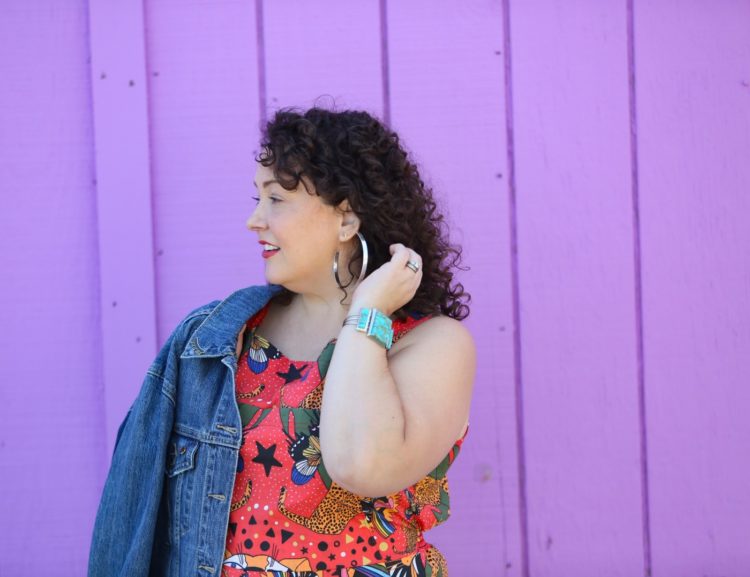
<point x="351" y="155"/>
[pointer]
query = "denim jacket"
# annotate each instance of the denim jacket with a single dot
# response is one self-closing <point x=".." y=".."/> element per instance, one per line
<point x="163" y="511"/>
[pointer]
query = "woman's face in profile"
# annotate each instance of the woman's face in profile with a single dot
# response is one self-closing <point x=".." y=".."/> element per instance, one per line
<point x="299" y="228"/>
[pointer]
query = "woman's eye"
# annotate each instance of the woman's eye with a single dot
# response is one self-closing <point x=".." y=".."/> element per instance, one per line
<point x="272" y="198"/>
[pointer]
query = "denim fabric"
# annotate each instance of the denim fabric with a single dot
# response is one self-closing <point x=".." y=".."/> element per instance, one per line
<point x="165" y="505"/>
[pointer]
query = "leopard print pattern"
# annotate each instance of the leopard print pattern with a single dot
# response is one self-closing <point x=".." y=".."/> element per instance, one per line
<point x="332" y="514"/>
<point x="427" y="491"/>
<point x="313" y="398"/>
<point x="412" y="532"/>
<point x="437" y="563"/>
<point x="245" y="497"/>
<point x="254" y="393"/>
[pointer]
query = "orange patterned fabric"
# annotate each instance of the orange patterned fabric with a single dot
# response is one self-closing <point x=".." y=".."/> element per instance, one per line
<point x="288" y="518"/>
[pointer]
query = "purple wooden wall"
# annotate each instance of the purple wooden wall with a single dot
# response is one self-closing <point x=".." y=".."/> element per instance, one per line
<point x="589" y="154"/>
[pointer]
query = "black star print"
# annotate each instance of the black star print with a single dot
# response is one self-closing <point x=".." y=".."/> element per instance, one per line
<point x="304" y="550"/>
<point x="293" y="374"/>
<point x="265" y="457"/>
<point x="332" y="557"/>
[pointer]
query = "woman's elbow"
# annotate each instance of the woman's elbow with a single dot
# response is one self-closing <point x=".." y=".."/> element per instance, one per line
<point x="362" y="480"/>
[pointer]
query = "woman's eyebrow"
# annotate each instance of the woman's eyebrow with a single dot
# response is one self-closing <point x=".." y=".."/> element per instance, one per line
<point x="266" y="183"/>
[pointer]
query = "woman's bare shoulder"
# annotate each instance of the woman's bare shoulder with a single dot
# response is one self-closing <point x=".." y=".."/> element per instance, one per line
<point x="439" y="331"/>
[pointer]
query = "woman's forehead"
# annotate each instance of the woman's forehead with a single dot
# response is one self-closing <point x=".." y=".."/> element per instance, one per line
<point x="264" y="176"/>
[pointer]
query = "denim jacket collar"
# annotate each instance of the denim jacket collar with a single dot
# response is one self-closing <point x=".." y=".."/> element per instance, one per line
<point x="216" y="336"/>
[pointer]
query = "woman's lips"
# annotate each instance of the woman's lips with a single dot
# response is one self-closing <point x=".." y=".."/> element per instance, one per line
<point x="269" y="253"/>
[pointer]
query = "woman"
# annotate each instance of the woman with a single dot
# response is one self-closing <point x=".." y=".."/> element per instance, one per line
<point x="305" y="427"/>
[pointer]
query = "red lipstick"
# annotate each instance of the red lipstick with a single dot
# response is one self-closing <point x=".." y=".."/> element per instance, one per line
<point x="268" y="253"/>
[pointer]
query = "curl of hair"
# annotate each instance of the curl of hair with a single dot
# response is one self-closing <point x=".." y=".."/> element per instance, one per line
<point x="351" y="155"/>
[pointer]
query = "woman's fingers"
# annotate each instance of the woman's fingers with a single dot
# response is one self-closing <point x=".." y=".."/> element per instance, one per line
<point x="402" y="255"/>
<point x="394" y="283"/>
<point x="406" y="254"/>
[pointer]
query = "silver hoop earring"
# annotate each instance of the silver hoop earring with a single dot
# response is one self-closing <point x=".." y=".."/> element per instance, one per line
<point x="364" y="263"/>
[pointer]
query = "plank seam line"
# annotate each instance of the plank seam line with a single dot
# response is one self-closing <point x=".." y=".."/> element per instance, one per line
<point x="517" y="353"/>
<point x="260" y="39"/>
<point x="149" y="157"/>
<point x="635" y="194"/>
<point x="102" y="457"/>
<point x="384" y="62"/>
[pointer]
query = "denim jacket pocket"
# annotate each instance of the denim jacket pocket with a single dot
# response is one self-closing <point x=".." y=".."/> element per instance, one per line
<point x="182" y="455"/>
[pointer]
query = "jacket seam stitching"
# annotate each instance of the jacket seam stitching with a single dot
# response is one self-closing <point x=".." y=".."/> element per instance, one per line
<point x="165" y="392"/>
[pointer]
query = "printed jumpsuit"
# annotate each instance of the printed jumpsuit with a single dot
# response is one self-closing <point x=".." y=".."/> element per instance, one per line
<point x="288" y="518"/>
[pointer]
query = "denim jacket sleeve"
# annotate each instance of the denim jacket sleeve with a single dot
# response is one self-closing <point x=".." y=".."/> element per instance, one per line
<point x="123" y="534"/>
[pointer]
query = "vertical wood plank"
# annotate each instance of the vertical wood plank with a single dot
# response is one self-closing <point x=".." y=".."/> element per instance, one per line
<point x="693" y="94"/>
<point x="120" y="111"/>
<point x="578" y="319"/>
<point x="51" y="435"/>
<point x="204" y="99"/>
<point x="328" y="49"/>
<point x="448" y="102"/>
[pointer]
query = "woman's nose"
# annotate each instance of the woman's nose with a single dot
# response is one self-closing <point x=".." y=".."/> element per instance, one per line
<point x="256" y="221"/>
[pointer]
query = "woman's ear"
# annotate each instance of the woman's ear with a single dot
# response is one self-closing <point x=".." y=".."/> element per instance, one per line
<point x="349" y="221"/>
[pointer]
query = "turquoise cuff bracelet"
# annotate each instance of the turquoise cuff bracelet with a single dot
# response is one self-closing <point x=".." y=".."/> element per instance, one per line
<point x="375" y="324"/>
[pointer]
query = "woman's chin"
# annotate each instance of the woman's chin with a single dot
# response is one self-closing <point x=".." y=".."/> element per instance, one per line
<point x="272" y="279"/>
<point x="275" y="279"/>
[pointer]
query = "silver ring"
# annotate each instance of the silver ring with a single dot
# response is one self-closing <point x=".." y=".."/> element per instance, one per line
<point x="413" y="265"/>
